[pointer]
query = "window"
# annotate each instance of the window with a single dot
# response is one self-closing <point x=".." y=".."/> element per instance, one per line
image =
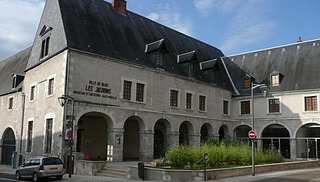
<point x="158" y="58"/>
<point x="202" y="103"/>
<point x="245" y="107"/>
<point x="32" y="92"/>
<point x="140" y="92"/>
<point x="50" y="86"/>
<point x="29" y="137"/>
<point x="10" y="105"/>
<point x="275" y="80"/>
<point x="213" y="75"/>
<point x="190" y="69"/>
<point x="274" y="105"/>
<point x="311" y="103"/>
<point x="246" y="83"/>
<point x="226" y="107"/>
<point x="174" y="98"/>
<point x="188" y="100"/>
<point x="127" y="90"/>
<point x="14" y="82"/>
<point x="44" y="47"/>
<point x="48" y="137"/>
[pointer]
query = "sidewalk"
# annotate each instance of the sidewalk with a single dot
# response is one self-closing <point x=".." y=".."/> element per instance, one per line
<point x="5" y="169"/>
<point x="8" y="170"/>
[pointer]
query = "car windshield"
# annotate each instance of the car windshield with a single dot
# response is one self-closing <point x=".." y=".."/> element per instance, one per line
<point x="51" y="161"/>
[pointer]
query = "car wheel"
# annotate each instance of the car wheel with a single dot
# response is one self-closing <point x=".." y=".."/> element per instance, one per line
<point x="59" y="177"/>
<point x="18" y="176"/>
<point x="35" y="177"/>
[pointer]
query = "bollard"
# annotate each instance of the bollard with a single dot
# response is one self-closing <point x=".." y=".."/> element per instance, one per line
<point x="14" y="160"/>
<point x="141" y="170"/>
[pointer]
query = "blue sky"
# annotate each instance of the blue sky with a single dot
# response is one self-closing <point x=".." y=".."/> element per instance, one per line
<point x="234" y="26"/>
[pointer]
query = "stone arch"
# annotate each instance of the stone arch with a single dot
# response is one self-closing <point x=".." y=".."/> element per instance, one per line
<point x="133" y="126"/>
<point x="276" y="136"/>
<point x="185" y="130"/>
<point x="8" y="146"/>
<point x="161" y="139"/>
<point x="240" y="133"/>
<point x="206" y="132"/>
<point x="92" y="135"/>
<point x="224" y="132"/>
<point x="308" y="141"/>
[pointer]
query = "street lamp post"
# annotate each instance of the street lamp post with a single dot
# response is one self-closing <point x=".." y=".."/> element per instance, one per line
<point x="63" y="100"/>
<point x="254" y="86"/>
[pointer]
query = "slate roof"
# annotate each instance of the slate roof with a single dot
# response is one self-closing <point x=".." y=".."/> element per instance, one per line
<point x="298" y="63"/>
<point x="15" y="64"/>
<point x="92" y="26"/>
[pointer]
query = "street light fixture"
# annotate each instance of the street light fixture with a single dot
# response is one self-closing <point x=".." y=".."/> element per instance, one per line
<point x="264" y="88"/>
<point x="63" y="100"/>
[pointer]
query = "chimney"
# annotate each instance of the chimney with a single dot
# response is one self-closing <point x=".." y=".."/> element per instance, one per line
<point x="119" y="6"/>
<point x="299" y="39"/>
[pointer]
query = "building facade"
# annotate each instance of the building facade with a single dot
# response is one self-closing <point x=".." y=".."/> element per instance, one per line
<point x="136" y="87"/>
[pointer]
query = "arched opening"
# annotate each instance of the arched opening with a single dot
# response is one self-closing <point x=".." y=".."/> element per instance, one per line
<point x="92" y="135"/>
<point x="205" y="132"/>
<point x="276" y="137"/>
<point x="131" y="139"/>
<point x="308" y="141"/>
<point x="160" y="140"/>
<point x="224" y="132"/>
<point x="241" y="134"/>
<point x="184" y="131"/>
<point x="8" y="146"/>
<point x="158" y="148"/>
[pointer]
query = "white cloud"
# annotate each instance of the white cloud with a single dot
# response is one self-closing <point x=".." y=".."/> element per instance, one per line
<point x="249" y="26"/>
<point x="204" y="6"/>
<point x="153" y="16"/>
<point x="18" y="24"/>
<point x="169" y="14"/>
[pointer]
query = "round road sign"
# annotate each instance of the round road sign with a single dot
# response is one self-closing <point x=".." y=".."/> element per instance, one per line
<point x="252" y="134"/>
<point x="69" y="133"/>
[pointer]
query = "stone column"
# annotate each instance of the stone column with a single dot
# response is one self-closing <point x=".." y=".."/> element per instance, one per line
<point x="172" y="139"/>
<point x="293" y="148"/>
<point x="146" y="145"/>
<point x="115" y="144"/>
<point x="194" y="140"/>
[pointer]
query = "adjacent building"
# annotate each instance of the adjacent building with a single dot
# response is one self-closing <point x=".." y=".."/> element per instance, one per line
<point x="135" y="87"/>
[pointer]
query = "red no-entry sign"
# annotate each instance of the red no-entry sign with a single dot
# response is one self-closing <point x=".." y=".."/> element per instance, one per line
<point x="69" y="133"/>
<point x="252" y="134"/>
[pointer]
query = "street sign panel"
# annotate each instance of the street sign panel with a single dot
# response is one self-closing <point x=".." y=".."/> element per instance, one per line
<point x="252" y="134"/>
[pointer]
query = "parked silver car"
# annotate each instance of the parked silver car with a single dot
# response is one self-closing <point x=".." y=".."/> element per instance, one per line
<point x="41" y="167"/>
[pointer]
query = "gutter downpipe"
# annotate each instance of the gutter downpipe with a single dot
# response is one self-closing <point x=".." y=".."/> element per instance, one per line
<point x="66" y="81"/>
<point x="22" y="124"/>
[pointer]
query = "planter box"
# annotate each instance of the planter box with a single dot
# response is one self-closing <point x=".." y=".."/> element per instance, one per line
<point x="151" y="173"/>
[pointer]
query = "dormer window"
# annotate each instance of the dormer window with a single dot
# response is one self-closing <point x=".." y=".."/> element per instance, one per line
<point x="156" y="51"/>
<point x="16" y="80"/>
<point x="212" y="66"/>
<point x="188" y="58"/>
<point x="191" y="69"/>
<point x="275" y="78"/>
<point x="45" y="47"/>
<point x="246" y="83"/>
<point x="45" y="34"/>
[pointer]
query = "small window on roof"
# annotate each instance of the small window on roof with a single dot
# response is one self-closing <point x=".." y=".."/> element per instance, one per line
<point x="246" y="83"/>
<point x="275" y="80"/>
<point x="156" y="50"/>
<point x="188" y="58"/>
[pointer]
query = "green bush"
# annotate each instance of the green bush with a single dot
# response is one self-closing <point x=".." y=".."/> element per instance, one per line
<point x="220" y="154"/>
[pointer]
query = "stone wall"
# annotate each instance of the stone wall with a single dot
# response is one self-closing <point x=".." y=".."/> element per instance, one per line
<point x="151" y="173"/>
<point x="88" y="168"/>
